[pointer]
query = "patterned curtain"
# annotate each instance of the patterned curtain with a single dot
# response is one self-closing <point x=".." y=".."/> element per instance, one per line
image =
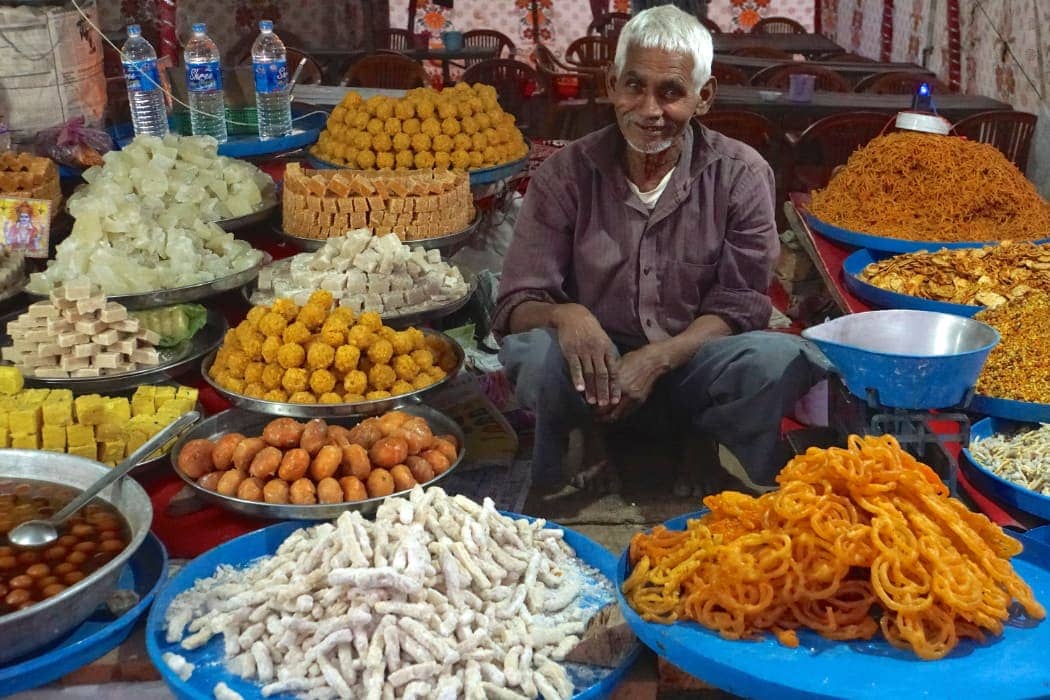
<point x="740" y="15"/>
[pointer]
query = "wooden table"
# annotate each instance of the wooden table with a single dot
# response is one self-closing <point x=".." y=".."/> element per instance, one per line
<point x="850" y="70"/>
<point x="805" y="44"/>
<point x="798" y="115"/>
<point x="446" y="57"/>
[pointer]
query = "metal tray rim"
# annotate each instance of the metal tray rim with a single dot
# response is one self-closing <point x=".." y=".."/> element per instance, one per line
<point x="316" y="511"/>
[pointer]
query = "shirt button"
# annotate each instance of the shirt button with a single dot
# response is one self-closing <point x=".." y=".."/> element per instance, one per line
<point x="649" y="322"/>
<point x="646" y="271"/>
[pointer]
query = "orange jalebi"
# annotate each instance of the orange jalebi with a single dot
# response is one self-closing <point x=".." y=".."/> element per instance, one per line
<point x="854" y="541"/>
<point x="928" y="187"/>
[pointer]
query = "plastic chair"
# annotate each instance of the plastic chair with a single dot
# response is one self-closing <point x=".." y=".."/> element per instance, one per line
<point x="779" y="77"/>
<point x="752" y="128"/>
<point x="312" y="73"/>
<point x="487" y="39"/>
<point x="726" y="74"/>
<point x="777" y="25"/>
<point x="570" y="115"/>
<point x="609" y="25"/>
<point x="827" y="144"/>
<point x="763" y="52"/>
<point x="710" y="25"/>
<point x="1009" y="131"/>
<point x="385" y="70"/>
<point x="393" y="39"/>
<point x="515" y="82"/>
<point x="898" y="83"/>
<point x="590" y="51"/>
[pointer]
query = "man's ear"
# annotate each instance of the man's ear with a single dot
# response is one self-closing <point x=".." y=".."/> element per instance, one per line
<point x="707" y="97"/>
<point x="610" y="79"/>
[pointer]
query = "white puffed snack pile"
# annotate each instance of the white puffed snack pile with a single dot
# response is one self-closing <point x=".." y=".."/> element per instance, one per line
<point x="77" y="333"/>
<point x="365" y="273"/>
<point x="439" y="598"/>
<point x="141" y="221"/>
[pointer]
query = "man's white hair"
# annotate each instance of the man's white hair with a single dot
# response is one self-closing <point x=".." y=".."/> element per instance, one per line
<point x="670" y="29"/>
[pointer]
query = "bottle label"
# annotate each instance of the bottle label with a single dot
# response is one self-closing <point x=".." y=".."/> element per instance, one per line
<point x="271" y="76"/>
<point x="204" y="77"/>
<point x="142" y="76"/>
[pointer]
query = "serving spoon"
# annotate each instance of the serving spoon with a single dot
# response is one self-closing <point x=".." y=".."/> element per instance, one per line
<point x="39" y="533"/>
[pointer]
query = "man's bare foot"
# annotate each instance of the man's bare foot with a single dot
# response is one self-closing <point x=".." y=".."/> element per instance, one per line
<point x="600" y="478"/>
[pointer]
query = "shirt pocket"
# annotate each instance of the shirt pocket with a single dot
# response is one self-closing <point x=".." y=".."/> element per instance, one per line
<point x="683" y="286"/>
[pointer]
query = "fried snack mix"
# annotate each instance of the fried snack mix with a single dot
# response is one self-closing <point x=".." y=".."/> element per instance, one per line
<point x="927" y="187"/>
<point x="988" y="276"/>
<point x="1018" y="367"/>
<point x="854" y="541"/>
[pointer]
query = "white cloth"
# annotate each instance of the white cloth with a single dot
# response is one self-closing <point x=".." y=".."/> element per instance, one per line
<point x="650" y="198"/>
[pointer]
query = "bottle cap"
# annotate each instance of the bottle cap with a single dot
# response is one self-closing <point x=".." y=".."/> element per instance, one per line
<point x="134" y="30"/>
<point x="200" y="28"/>
<point x="266" y="25"/>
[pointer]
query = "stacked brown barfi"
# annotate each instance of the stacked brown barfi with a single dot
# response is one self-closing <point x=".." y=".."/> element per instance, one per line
<point x="29" y="176"/>
<point x="414" y="204"/>
<point x="79" y="334"/>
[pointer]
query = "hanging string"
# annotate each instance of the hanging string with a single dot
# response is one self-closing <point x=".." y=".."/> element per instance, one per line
<point x="160" y="87"/>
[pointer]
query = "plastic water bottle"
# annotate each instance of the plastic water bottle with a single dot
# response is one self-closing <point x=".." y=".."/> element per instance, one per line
<point x="270" y="65"/>
<point x="145" y="97"/>
<point x="204" y="85"/>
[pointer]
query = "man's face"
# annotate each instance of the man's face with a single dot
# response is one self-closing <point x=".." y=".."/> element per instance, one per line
<point x="23" y="218"/>
<point x="654" y="98"/>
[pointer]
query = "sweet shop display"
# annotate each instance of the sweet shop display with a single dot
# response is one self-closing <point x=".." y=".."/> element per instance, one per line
<point x="462" y="127"/>
<point x="365" y="273"/>
<point x="414" y="204"/>
<point x="78" y="334"/>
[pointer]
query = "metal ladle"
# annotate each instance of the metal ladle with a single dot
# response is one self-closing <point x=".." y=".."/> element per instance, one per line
<point x="39" y="533"/>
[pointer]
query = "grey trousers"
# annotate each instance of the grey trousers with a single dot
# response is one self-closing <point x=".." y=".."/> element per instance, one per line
<point x="735" y="390"/>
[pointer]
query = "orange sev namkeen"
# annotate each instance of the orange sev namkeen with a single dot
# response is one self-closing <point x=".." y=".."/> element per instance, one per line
<point x="854" y="541"/>
<point x="928" y="187"/>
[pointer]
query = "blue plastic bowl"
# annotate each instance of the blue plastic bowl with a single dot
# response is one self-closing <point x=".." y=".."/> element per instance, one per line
<point x="912" y="359"/>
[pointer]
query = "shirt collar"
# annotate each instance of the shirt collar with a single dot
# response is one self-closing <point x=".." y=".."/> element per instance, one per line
<point x="605" y="154"/>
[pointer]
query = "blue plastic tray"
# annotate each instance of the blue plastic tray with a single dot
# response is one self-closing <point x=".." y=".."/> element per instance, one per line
<point x="481" y="176"/>
<point x="591" y="682"/>
<point x="1022" y="411"/>
<point x="305" y="130"/>
<point x="1011" y="666"/>
<point x="854" y="265"/>
<point x="144" y="573"/>
<point x="889" y="245"/>
<point x="994" y="486"/>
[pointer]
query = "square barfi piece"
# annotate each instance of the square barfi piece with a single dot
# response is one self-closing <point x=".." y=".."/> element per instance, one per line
<point x="111" y="451"/>
<point x="116" y="410"/>
<point x="88" y="451"/>
<point x="28" y="441"/>
<point x="90" y="409"/>
<point x="113" y="313"/>
<point x="80" y="434"/>
<point x="57" y="414"/>
<point x="23" y="421"/>
<point x="53" y="438"/>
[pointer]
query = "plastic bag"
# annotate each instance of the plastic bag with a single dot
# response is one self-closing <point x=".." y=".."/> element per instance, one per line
<point x="74" y="144"/>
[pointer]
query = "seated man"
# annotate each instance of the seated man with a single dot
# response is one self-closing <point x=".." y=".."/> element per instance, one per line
<point x="635" y="286"/>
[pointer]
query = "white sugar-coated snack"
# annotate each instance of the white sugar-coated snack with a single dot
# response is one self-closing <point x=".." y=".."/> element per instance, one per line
<point x="142" y="221"/>
<point x="439" y="597"/>
<point x="363" y="271"/>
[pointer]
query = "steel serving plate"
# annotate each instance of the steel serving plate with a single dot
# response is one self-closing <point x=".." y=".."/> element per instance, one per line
<point x="252" y="424"/>
<point x="29" y="629"/>
<point x="333" y="410"/>
<point x="1012" y="664"/>
<point x="856" y="263"/>
<point x="449" y="240"/>
<point x="174" y="362"/>
<point x="137" y="301"/>
<point x="991" y="484"/>
<point x="871" y="241"/>
<point x="589" y="682"/>
<point x="401" y="320"/>
<point x="256" y="217"/>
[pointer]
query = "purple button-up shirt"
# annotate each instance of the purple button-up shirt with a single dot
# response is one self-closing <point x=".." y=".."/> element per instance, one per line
<point x="708" y="247"/>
